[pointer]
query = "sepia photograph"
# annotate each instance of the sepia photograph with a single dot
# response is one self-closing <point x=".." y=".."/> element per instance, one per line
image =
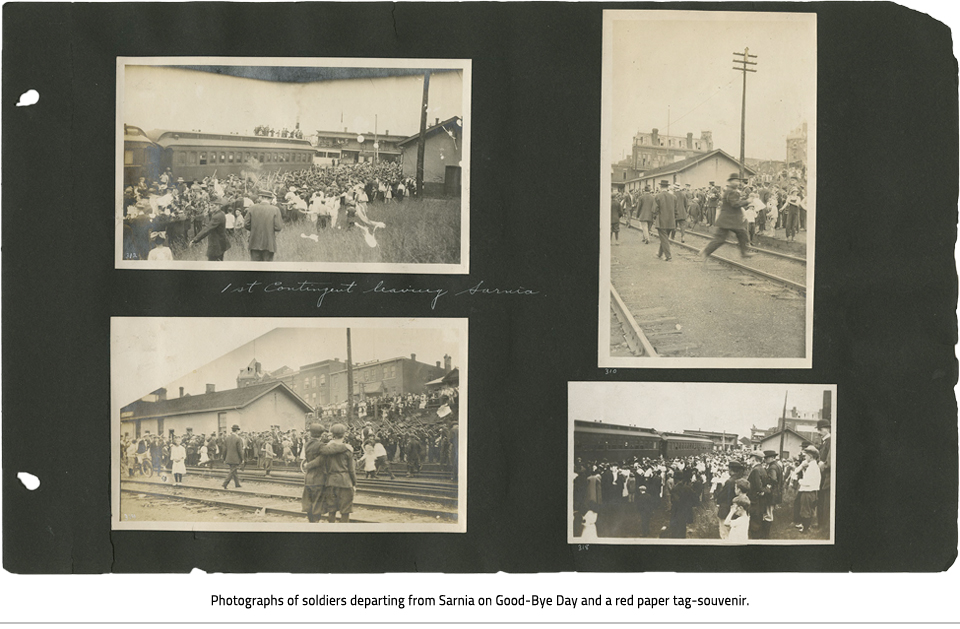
<point x="708" y="189"/>
<point x="293" y="164"/>
<point x="259" y="424"/>
<point x="701" y="463"/>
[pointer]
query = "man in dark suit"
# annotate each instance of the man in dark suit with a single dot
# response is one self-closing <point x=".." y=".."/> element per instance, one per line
<point x="759" y="496"/>
<point x="823" y="508"/>
<point x="682" y="206"/>
<point x="263" y="221"/>
<point x="665" y="218"/>
<point x="730" y="219"/>
<point x="215" y="231"/>
<point x="233" y="456"/>
<point x="646" y="206"/>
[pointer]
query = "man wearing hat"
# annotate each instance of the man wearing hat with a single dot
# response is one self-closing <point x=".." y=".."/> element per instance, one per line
<point x="730" y="220"/>
<point x="645" y="208"/>
<point x="314" y="473"/>
<point x="712" y="201"/>
<point x="809" y="485"/>
<point x="263" y="222"/>
<point x="760" y="498"/>
<point x="727" y="491"/>
<point x="665" y="218"/>
<point x="682" y="207"/>
<point x="233" y="455"/>
<point x="215" y="231"/>
<point x="775" y="475"/>
<point x="823" y="498"/>
<point x="340" y="475"/>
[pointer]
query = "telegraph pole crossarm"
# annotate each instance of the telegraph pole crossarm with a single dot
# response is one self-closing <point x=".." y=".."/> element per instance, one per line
<point x="744" y="62"/>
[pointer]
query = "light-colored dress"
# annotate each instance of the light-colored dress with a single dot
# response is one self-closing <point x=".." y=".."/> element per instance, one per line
<point x="178" y="454"/>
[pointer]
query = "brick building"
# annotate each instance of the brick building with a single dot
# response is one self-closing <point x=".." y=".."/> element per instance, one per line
<point x="653" y="150"/>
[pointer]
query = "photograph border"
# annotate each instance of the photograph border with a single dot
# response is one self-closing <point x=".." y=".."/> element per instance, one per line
<point x="117" y="523"/>
<point x="604" y="359"/>
<point x="656" y="541"/>
<point x="461" y="268"/>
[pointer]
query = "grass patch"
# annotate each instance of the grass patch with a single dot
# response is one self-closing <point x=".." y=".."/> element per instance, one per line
<point x="418" y="231"/>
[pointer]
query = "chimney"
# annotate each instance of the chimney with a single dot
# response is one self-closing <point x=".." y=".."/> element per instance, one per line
<point x="447" y="362"/>
<point x="654" y="136"/>
<point x="387" y="132"/>
<point x="438" y="364"/>
<point x="181" y="391"/>
<point x="161" y="395"/>
<point x="689" y="140"/>
<point x="211" y="388"/>
<point x="413" y="356"/>
<point x="344" y="129"/>
<point x="436" y="122"/>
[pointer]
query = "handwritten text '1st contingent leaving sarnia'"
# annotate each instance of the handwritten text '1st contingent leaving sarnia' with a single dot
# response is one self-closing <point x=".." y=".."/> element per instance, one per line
<point x="324" y="289"/>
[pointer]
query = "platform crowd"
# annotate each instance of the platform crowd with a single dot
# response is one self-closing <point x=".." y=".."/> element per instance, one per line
<point x="405" y="433"/>
<point x="735" y="495"/>
<point x="167" y="214"/>
<point x="767" y="206"/>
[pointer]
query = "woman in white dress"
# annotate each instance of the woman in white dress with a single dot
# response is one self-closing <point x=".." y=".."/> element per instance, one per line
<point x="178" y="456"/>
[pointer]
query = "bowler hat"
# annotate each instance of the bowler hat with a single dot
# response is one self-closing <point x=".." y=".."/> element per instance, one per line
<point x="768" y="453"/>
<point x="823" y="423"/>
<point x="236" y="428"/>
<point x="734" y="176"/>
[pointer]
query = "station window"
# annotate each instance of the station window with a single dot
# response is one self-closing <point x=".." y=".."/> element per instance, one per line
<point x="230" y="157"/>
<point x="223" y="158"/>
<point x="323" y="380"/>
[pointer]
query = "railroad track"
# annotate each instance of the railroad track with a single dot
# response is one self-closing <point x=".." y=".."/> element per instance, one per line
<point x="265" y="502"/>
<point x="791" y="284"/>
<point x="443" y="493"/>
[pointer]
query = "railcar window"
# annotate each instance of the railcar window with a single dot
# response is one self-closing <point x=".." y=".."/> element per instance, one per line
<point x="127" y="158"/>
<point x="181" y="160"/>
<point x="223" y="158"/>
<point x="203" y="159"/>
<point x="230" y="157"/>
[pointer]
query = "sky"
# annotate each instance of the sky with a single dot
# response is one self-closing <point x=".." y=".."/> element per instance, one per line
<point x="149" y="353"/>
<point x="686" y="65"/>
<point x="166" y="98"/>
<point x="675" y="407"/>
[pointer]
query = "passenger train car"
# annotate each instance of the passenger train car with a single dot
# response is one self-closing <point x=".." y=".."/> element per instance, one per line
<point x="142" y="157"/>
<point x="612" y="442"/>
<point x="193" y="155"/>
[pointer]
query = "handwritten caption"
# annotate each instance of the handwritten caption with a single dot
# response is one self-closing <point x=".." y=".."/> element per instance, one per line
<point x="535" y="601"/>
<point x="322" y="290"/>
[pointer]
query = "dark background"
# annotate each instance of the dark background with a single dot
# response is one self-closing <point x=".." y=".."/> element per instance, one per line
<point x="884" y="312"/>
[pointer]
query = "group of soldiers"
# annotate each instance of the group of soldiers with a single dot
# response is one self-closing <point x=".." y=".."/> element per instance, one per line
<point x="742" y="210"/>
<point x="745" y="491"/>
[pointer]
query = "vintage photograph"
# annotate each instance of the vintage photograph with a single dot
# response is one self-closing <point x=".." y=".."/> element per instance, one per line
<point x="234" y="424"/>
<point x="293" y="164"/>
<point x="708" y="189"/>
<point x="701" y="463"/>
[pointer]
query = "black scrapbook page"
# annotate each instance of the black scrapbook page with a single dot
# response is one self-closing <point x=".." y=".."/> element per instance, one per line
<point x="405" y="245"/>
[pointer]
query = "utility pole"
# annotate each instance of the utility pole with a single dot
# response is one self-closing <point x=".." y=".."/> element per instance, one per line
<point x="421" y="142"/>
<point x="349" y="380"/>
<point x="783" y="424"/>
<point x="744" y="62"/>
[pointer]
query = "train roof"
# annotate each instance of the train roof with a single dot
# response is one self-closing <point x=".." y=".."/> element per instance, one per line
<point x="676" y="437"/>
<point x="135" y="134"/>
<point x="225" y="140"/>
<point x="612" y="429"/>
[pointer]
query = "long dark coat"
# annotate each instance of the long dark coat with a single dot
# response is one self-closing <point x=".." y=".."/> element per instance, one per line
<point x="665" y="210"/>
<point x="215" y="231"/>
<point x="731" y="214"/>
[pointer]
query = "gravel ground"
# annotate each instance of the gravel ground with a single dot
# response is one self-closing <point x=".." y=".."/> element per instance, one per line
<point x="277" y="496"/>
<point x="787" y="269"/>
<point x="721" y="312"/>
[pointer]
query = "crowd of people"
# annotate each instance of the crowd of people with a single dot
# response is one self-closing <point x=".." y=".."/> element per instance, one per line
<point x="404" y="434"/>
<point x="161" y="218"/>
<point x="745" y="207"/>
<point x="741" y="493"/>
